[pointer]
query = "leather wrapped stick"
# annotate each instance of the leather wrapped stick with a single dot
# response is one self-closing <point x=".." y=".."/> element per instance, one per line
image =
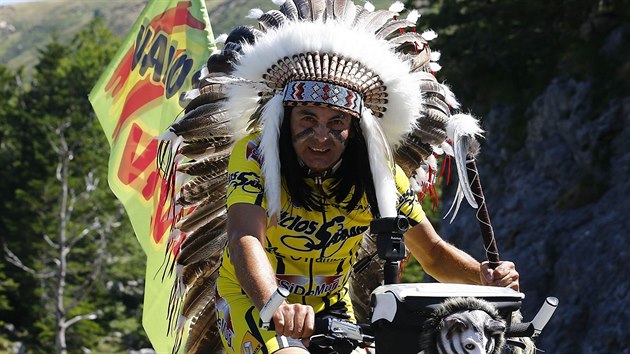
<point x="483" y="217"/>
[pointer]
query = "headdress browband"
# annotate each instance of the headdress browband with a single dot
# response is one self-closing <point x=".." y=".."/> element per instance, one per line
<point x="307" y="92"/>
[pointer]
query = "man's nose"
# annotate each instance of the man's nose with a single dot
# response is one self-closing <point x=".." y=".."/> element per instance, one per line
<point x="321" y="132"/>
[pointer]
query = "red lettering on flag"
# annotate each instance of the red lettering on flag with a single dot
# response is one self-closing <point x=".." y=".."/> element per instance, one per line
<point x="177" y="16"/>
<point x="162" y="217"/>
<point x="133" y="165"/>
<point x="120" y="75"/>
<point x="139" y="170"/>
<point x="141" y="94"/>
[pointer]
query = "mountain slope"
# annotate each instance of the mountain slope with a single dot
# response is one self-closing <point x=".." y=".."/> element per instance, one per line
<point x="26" y="27"/>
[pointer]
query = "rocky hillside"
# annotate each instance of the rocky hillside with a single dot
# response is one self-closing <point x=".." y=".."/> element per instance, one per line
<point x="559" y="203"/>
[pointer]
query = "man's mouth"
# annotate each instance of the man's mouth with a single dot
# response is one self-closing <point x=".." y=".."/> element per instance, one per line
<point x="318" y="150"/>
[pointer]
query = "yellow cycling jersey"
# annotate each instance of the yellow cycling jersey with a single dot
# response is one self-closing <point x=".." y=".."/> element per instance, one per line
<point x="312" y="252"/>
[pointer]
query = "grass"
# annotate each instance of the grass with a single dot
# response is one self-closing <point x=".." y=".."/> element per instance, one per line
<point x="37" y="22"/>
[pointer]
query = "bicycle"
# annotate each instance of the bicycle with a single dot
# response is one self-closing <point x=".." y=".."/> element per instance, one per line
<point x="403" y="316"/>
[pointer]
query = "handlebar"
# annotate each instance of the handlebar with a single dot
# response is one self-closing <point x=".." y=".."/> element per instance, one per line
<point x="327" y="329"/>
<point x="332" y="329"/>
<point x="338" y="329"/>
<point x="534" y="327"/>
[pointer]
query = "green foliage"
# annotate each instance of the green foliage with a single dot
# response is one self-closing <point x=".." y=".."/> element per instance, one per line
<point x="507" y="52"/>
<point x="32" y="121"/>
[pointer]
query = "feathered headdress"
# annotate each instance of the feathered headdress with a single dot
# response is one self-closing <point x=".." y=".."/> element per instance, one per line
<point x="371" y="64"/>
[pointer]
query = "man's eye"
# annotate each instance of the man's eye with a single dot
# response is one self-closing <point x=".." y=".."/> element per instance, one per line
<point x="337" y="123"/>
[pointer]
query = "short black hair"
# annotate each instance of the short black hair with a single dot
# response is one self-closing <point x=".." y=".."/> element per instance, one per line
<point x="353" y="177"/>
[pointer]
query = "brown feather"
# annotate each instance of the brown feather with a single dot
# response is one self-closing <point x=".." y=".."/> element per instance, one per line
<point x="437" y="103"/>
<point x="432" y="127"/>
<point x="203" y="148"/>
<point x="204" y="121"/>
<point x="411" y="154"/>
<point x="373" y="21"/>
<point x="361" y="13"/>
<point x="203" y="336"/>
<point x="201" y="246"/>
<point x="204" y="213"/>
<point x="198" y="189"/>
<point x="407" y="39"/>
<point x="290" y="10"/>
<point x="272" y="19"/>
<point x="192" y="272"/>
<point x="318" y="9"/>
<point x="303" y="9"/>
<point x="208" y="94"/>
<point x="363" y="283"/>
<point x="344" y="10"/>
<point x="418" y="62"/>
<point x="200" y="293"/>
<point x="393" y="27"/>
<point x="212" y="165"/>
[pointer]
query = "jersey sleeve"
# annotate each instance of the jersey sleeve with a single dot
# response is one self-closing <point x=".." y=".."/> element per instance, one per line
<point x="408" y="203"/>
<point x="245" y="183"/>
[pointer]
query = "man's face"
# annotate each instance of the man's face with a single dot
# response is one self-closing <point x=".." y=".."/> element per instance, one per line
<point x="319" y="135"/>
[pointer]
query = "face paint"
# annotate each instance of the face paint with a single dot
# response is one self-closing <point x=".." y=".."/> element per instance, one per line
<point x="303" y="134"/>
<point x="339" y="135"/>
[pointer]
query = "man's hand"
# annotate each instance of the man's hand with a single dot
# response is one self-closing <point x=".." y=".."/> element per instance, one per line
<point x="504" y="275"/>
<point x="294" y="320"/>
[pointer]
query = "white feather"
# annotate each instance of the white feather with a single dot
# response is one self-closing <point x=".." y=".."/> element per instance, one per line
<point x="204" y="72"/>
<point x="413" y="16"/>
<point x="190" y="94"/>
<point x="447" y="148"/>
<point x="435" y="56"/>
<point x="397" y="7"/>
<point x="419" y="179"/>
<point x="431" y="161"/>
<point x="450" y="97"/>
<point x="384" y="184"/>
<point x="462" y="129"/>
<point x="463" y="125"/>
<point x="457" y="201"/>
<point x="435" y="67"/>
<point x="429" y="35"/>
<point x="221" y="38"/>
<point x="414" y="185"/>
<point x="271" y="116"/>
<point x="279" y="2"/>
<point x="255" y="14"/>
<point x="369" y="6"/>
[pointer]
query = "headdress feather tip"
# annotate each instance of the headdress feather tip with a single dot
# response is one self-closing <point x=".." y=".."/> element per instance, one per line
<point x="255" y="14"/>
<point x="397" y="7"/>
<point x="413" y="16"/>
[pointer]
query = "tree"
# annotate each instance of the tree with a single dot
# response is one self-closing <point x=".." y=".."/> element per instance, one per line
<point x="80" y="252"/>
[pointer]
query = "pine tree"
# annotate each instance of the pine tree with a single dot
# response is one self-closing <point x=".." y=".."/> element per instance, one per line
<point x="67" y="236"/>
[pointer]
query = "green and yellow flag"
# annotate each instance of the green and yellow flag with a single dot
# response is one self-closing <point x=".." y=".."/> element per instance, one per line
<point x="136" y="98"/>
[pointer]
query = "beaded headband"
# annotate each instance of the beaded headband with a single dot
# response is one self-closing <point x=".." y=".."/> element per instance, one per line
<point x="302" y="92"/>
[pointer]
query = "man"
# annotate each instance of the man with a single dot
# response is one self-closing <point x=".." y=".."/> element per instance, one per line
<point x="266" y="253"/>
<point x="316" y="101"/>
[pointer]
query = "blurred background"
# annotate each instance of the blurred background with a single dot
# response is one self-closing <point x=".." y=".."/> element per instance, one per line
<point x="550" y="81"/>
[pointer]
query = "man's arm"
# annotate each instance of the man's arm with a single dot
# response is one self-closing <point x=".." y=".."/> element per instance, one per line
<point x="246" y="228"/>
<point x="446" y="263"/>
